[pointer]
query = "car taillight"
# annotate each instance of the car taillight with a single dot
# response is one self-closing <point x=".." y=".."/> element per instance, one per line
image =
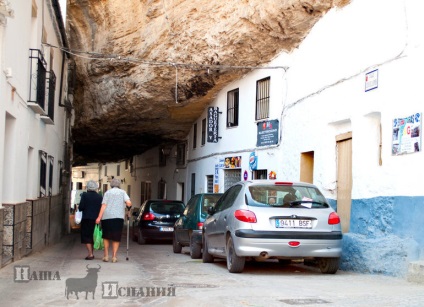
<point x="148" y="217"/>
<point x="333" y="218"/>
<point x="283" y="183"/>
<point x="245" y="216"/>
<point x="200" y="225"/>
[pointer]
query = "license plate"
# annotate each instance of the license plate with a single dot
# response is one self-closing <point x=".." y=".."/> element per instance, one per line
<point x="289" y="223"/>
<point x="167" y="229"/>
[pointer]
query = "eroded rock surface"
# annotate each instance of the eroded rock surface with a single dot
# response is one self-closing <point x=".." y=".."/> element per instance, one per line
<point x="131" y="55"/>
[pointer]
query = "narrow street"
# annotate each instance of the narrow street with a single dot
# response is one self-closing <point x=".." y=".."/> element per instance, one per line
<point x="155" y="276"/>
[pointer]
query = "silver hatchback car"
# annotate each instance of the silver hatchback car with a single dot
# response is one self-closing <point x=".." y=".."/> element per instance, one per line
<point x="268" y="219"/>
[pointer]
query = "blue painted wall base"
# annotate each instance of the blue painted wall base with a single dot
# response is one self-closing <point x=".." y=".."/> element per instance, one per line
<point x="386" y="233"/>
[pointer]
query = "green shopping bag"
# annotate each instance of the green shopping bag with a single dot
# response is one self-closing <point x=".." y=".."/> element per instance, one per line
<point x="97" y="237"/>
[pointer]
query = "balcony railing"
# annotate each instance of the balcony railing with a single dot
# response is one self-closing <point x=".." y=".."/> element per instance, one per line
<point x="51" y="81"/>
<point x="37" y="84"/>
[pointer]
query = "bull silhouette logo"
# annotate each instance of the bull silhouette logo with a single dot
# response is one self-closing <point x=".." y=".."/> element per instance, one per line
<point x="85" y="284"/>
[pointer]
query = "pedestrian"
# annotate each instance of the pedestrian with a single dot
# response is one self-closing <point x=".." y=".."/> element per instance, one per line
<point x="90" y="205"/>
<point x="112" y="214"/>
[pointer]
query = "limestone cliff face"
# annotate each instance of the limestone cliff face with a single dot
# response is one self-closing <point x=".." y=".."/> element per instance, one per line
<point x="147" y="68"/>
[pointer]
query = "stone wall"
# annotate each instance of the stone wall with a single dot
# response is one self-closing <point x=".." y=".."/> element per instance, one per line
<point x="14" y="231"/>
<point x="30" y="226"/>
<point x="1" y="234"/>
<point x="56" y="229"/>
<point x="39" y="218"/>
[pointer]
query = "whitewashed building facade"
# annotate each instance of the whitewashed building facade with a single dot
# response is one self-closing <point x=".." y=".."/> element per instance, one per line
<point x="343" y="111"/>
<point x="35" y="118"/>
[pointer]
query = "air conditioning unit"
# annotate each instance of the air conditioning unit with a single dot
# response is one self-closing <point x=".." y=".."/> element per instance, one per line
<point x="78" y="174"/>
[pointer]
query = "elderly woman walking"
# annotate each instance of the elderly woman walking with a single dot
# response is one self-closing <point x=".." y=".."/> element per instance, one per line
<point x="90" y="204"/>
<point x="112" y="214"/>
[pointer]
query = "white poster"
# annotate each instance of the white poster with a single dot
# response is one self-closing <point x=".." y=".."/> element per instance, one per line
<point x="407" y="134"/>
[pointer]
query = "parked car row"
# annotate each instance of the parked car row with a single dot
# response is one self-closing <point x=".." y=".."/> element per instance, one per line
<point x="253" y="220"/>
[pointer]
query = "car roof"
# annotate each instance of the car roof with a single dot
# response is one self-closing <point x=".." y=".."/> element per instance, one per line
<point x="164" y="201"/>
<point x="275" y="182"/>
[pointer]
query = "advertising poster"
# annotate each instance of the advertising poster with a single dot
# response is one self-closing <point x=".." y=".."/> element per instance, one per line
<point x="267" y="133"/>
<point x="232" y="162"/>
<point x="407" y="134"/>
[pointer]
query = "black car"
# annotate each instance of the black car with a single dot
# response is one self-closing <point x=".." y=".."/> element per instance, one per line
<point x="156" y="219"/>
<point x="188" y="228"/>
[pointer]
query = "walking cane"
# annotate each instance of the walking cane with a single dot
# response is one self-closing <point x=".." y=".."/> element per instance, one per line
<point x="128" y="234"/>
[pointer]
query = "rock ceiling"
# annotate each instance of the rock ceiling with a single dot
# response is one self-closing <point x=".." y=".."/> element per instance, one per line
<point x="146" y="69"/>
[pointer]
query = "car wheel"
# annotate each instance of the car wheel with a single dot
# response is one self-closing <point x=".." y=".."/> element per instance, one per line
<point x="140" y="239"/>
<point x="329" y="265"/>
<point x="206" y="257"/>
<point x="195" y="249"/>
<point x="235" y="264"/>
<point x="176" y="247"/>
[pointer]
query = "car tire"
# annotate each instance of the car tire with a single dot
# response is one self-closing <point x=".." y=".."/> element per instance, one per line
<point x="235" y="264"/>
<point x="176" y="247"/>
<point x="206" y="257"/>
<point x="140" y="239"/>
<point x="195" y="249"/>
<point x="329" y="265"/>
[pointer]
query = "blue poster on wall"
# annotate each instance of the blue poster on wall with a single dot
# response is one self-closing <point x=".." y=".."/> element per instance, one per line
<point x="253" y="161"/>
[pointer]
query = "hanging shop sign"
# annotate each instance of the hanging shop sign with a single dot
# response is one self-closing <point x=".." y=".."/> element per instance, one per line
<point x="407" y="134"/>
<point x="213" y="114"/>
<point x="253" y="161"/>
<point x="232" y="162"/>
<point x="267" y="133"/>
<point x="272" y="175"/>
<point x="216" y="179"/>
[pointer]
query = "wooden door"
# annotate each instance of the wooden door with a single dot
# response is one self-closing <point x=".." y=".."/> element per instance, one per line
<point x="344" y="179"/>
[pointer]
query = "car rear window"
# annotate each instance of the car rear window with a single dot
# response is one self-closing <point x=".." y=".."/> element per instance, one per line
<point x="166" y="207"/>
<point x="286" y="196"/>
<point x="209" y="201"/>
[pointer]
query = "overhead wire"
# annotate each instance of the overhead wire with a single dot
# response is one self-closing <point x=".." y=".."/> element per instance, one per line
<point x="193" y="66"/>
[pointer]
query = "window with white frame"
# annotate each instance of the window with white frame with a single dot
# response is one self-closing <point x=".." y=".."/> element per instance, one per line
<point x="262" y="98"/>
<point x="232" y="108"/>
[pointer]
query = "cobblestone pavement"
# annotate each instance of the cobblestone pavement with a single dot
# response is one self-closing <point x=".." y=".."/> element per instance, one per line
<point x="155" y="276"/>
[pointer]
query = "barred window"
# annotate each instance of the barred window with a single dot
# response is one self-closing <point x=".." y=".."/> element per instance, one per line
<point x="209" y="183"/>
<point x="181" y="154"/>
<point x="232" y="108"/>
<point x="262" y="98"/>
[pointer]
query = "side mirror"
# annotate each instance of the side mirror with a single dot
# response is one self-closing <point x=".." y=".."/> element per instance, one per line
<point x="211" y="210"/>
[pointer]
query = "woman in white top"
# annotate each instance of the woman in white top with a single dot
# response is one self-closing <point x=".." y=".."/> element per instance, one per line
<point x="112" y="214"/>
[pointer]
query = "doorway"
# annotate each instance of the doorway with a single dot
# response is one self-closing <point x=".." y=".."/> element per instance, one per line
<point x="344" y="179"/>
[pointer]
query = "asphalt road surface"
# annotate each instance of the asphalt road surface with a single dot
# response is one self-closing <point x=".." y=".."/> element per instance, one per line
<point x="155" y="276"/>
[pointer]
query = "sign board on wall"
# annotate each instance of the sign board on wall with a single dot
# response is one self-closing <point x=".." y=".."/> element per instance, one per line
<point x="232" y="162"/>
<point x="267" y="133"/>
<point x="371" y="80"/>
<point x="212" y="136"/>
<point x="407" y="134"/>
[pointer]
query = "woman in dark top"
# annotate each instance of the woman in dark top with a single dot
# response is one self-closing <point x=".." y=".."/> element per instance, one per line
<point x="90" y="205"/>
